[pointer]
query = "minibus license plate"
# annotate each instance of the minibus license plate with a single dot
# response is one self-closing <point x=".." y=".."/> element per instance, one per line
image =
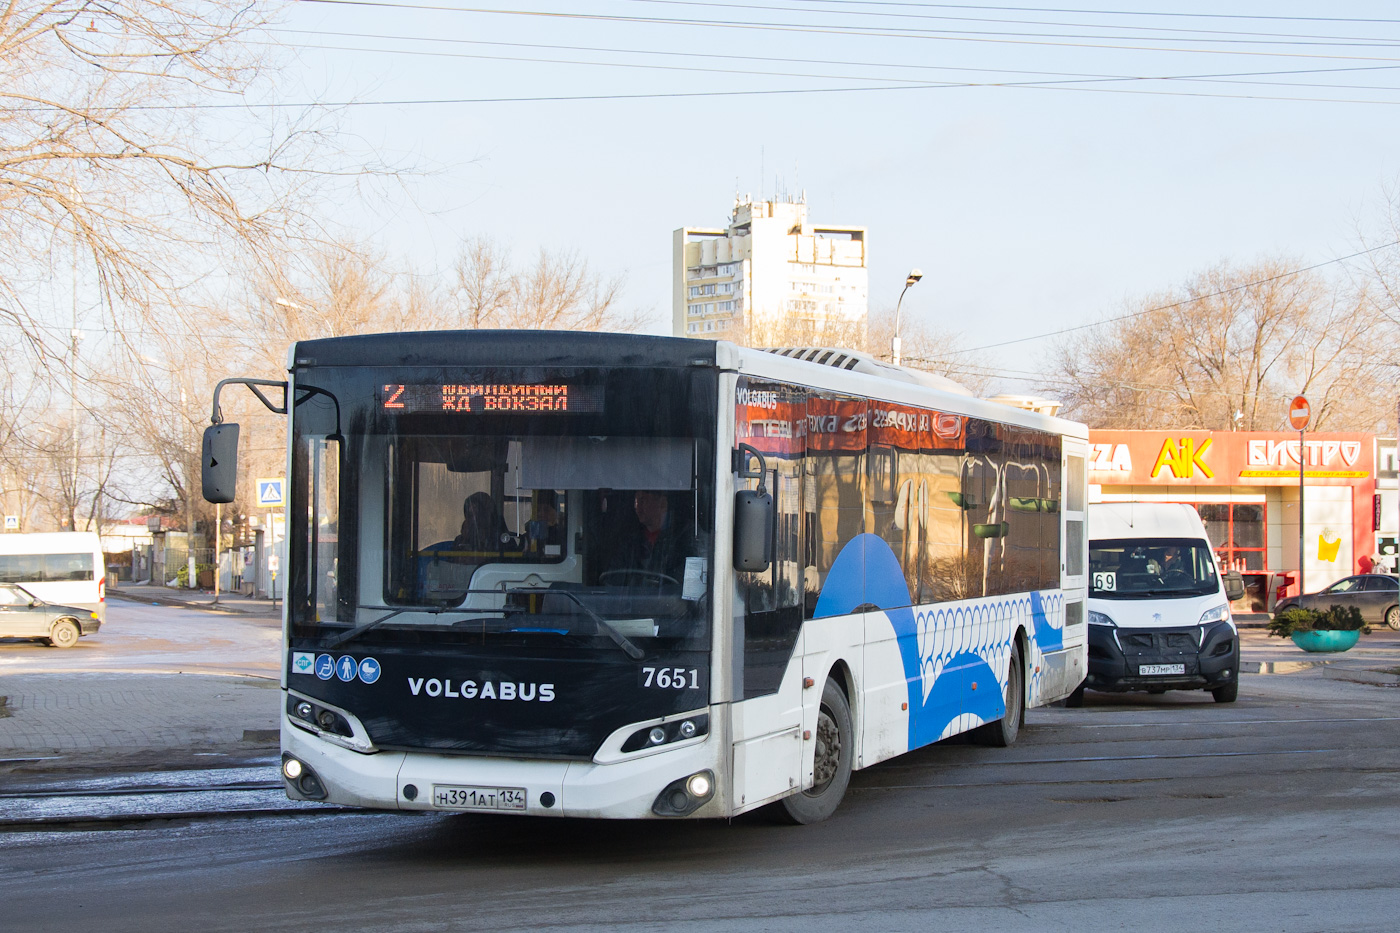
<point x="459" y="797"/>
<point x="1147" y="670"/>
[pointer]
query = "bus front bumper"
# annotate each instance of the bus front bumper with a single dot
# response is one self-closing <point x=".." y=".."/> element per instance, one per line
<point x="398" y="780"/>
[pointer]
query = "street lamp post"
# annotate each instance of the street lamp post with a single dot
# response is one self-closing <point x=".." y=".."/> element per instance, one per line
<point x="909" y="280"/>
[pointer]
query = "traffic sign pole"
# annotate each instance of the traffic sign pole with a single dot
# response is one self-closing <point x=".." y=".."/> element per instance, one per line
<point x="1298" y="415"/>
<point x="1302" y="471"/>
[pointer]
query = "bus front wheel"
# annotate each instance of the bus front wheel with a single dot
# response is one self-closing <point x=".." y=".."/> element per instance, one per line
<point x="64" y="633"/>
<point x="831" y="762"/>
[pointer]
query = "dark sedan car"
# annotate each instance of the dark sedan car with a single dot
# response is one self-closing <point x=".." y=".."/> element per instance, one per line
<point x="1377" y="595"/>
<point x="24" y="615"/>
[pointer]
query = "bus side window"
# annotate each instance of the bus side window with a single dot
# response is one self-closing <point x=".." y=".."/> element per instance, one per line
<point x="836" y="451"/>
<point x="771" y="417"/>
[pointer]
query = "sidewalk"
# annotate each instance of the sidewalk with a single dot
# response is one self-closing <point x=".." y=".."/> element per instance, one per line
<point x="1261" y="653"/>
<point x="197" y="599"/>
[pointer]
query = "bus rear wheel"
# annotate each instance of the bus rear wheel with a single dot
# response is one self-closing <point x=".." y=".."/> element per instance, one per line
<point x="63" y="633"/>
<point x="831" y="763"/>
<point x="1003" y="732"/>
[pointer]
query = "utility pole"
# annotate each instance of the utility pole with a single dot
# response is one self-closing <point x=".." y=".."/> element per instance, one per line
<point x="193" y="580"/>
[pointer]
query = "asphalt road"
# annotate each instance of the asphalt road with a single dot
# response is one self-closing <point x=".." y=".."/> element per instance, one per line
<point x="1167" y="813"/>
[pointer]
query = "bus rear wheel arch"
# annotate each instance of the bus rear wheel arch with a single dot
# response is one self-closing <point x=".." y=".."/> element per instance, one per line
<point x="63" y="633"/>
<point x="831" y="761"/>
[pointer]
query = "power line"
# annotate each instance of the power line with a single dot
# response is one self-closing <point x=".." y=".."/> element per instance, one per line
<point x="870" y="32"/>
<point x="926" y="17"/>
<point x="1177" y="304"/>
<point x="1061" y="78"/>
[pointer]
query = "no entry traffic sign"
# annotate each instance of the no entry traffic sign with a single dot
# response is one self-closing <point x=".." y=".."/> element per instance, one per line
<point x="1299" y="413"/>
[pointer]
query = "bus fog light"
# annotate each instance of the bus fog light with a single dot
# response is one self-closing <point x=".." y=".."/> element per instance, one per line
<point x="656" y="736"/>
<point x="304" y="711"/>
<point x="310" y="786"/>
<point x="699" y="785"/>
<point x="292" y="769"/>
<point x="684" y="796"/>
<point x="687" y="729"/>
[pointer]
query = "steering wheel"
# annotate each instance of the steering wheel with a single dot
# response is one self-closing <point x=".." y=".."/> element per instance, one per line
<point x="660" y="578"/>
<point x="1176" y="578"/>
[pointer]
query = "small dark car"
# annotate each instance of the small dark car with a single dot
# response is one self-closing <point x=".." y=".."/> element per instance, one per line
<point x="24" y="615"/>
<point x="1377" y="595"/>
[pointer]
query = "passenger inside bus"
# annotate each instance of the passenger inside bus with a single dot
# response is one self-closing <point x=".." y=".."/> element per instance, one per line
<point x="481" y="526"/>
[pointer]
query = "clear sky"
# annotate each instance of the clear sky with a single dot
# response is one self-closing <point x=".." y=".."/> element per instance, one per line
<point x="1041" y="166"/>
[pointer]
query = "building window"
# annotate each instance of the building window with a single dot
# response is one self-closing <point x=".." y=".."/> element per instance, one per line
<point x="1239" y="533"/>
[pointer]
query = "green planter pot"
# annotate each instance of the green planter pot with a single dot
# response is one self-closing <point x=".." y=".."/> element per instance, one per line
<point x="1325" y="641"/>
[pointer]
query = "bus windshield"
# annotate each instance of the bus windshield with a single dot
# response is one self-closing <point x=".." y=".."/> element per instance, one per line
<point x="1151" y="567"/>
<point x="512" y="507"/>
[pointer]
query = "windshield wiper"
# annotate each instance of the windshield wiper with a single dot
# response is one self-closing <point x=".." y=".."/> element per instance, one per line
<point x="619" y="639"/>
<point x="359" y="630"/>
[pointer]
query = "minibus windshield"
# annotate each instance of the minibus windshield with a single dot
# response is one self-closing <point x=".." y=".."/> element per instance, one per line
<point x="1142" y="568"/>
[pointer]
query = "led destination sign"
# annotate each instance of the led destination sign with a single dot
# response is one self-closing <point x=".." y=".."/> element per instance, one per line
<point x="486" y="398"/>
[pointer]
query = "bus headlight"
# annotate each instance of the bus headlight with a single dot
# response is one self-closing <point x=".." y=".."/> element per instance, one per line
<point x="685" y="795"/>
<point x="292" y="768"/>
<point x="676" y="730"/>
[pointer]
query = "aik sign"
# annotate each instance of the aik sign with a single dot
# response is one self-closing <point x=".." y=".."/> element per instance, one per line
<point x="1226" y="458"/>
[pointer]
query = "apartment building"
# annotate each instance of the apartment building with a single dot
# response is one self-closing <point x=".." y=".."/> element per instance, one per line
<point x="769" y="274"/>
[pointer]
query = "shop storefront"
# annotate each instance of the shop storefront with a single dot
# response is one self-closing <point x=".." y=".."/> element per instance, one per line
<point x="1245" y="485"/>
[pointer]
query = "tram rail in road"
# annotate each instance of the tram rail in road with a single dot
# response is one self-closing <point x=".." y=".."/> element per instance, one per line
<point x="154" y="795"/>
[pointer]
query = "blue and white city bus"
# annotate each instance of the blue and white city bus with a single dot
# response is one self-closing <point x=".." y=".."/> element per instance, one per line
<point x="578" y="574"/>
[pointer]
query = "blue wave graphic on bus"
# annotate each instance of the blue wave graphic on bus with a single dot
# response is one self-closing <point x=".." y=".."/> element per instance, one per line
<point x="944" y="649"/>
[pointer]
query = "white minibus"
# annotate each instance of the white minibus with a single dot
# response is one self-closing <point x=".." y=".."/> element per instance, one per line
<point x="63" y="568"/>
<point x="1159" y="608"/>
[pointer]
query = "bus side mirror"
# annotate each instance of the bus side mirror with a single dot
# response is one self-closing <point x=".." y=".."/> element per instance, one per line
<point x="753" y="530"/>
<point x="218" y="465"/>
<point x="1234" y="586"/>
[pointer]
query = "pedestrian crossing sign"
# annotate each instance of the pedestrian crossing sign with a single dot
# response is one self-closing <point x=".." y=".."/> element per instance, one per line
<point x="270" y="493"/>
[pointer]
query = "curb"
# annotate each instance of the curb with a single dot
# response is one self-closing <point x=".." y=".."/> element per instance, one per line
<point x="1279" y="667"/>
<point x="259" y="611"/>
<point x="1379" y="678"/>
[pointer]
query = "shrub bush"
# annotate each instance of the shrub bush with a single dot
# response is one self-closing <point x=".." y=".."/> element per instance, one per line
<point x="1332" y="619"/>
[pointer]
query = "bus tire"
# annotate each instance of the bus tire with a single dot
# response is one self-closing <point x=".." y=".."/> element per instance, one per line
<point x="831" y="766"/>
<point x="1003" y="732"/>
<point x="63" y="633"/>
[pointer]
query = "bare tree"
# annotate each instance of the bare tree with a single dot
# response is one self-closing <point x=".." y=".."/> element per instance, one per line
<point x="1227" y="350"/>
<point x="557" y="291"/>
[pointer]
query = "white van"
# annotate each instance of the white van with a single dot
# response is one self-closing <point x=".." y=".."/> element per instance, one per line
<point x="63" y="568"/>
<point x="1159" y="609"/>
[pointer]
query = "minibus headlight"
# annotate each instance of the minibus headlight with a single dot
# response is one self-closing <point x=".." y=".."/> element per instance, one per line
<point x="1220" y="613"/>
<point x="1098" y="618"/>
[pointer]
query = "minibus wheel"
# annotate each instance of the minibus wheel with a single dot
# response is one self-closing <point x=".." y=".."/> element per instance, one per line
<point x="1227" y="693"/>
<point x="63" y="633"/>
<point x="831" y="766"/>
<point x="1003" y="732"/>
